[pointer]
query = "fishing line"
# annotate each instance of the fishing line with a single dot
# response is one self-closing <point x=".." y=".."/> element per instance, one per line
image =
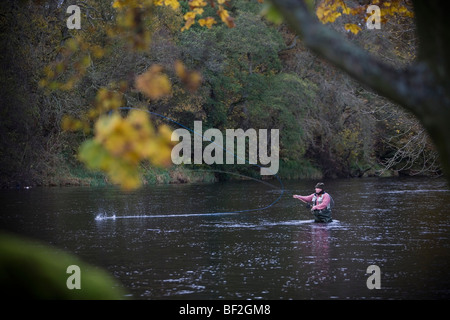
<point x="102" y="217"/>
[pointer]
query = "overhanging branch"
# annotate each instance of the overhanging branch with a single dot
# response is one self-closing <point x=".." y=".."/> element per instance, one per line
<point x="397" y="85"/>
<point x="421" y="88"/>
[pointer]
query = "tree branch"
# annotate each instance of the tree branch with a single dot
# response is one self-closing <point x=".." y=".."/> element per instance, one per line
<point x="291" y="46"/>
<point x="397" y="85"/>
<point x="422" y="89"/>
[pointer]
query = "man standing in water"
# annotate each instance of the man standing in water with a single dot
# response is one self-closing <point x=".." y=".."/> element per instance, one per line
<point x="320" y="202"/>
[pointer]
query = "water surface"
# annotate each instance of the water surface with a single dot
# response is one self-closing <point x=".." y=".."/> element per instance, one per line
<point x="188" y="241"/>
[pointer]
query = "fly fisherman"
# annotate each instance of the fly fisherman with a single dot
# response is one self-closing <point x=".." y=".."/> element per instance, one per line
<point x="321" y="203"/>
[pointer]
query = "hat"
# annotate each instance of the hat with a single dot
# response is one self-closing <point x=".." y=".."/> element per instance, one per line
<point x="320" y="185"/>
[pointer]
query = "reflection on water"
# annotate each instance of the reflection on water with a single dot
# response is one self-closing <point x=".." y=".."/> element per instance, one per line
<point x="320" y="253"/>
<point x="201" y="242"/>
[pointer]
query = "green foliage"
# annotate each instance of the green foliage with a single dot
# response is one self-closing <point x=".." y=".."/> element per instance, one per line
<point x="280" y="101"/>
<point x="255" y="75"/>
<point x="244" y="77"/>
<point x="299" y="169"/>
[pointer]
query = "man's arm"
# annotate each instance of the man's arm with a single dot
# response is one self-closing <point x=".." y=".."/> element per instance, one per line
<point x="305" y="199"/>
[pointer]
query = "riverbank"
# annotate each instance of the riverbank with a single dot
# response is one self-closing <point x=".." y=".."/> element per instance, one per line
<point x="80" y="176"/>
<point x="64" y="171"/>
<point x="69" y="174"/>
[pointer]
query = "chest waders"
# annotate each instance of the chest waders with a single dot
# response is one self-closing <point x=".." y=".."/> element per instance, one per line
<point x="323" y="215"/>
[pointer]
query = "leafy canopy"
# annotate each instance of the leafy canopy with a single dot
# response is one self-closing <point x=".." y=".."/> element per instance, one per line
<point x="121" y="143"/>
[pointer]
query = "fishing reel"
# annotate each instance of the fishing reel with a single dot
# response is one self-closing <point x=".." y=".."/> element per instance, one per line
<point x="308" y="206"/>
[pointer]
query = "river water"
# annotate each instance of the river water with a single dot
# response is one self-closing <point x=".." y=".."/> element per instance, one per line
<point x="205" y="241"/>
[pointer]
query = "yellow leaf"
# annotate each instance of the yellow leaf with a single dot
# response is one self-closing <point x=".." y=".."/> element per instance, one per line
<point x="196" y="4"/>
<point x="346" y="10"/>
<point x="188" y="24"/>
<point x="172" y="3"/>
<point x="107" y="100"/>
<point x="139" y="120"/>
<point x="327" y="12"/>
<point x="320" y="13"/>
<point x="333" y="16"/>
<point x="153" y="83"/>
<point x="131" y="182"/>
<point x="208" y="22"/>
<point x="117" y="4"/>
<point x="105" y="125"/>
<point x="189" y="15"/>
<point x="225" y="17"/>
<point x="403" y="9"/>
<point x="180" y="70"/>
<point x="198" y="11"/>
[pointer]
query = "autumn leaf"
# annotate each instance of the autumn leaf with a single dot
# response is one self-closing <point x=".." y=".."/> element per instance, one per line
<point x="196" y="4"/>
<point x="346" y="9"/>
<point x="225" y="17"/>
<point x="327" y="11"/>
<point x="169" y="3"/>
<point x="153" y="83"/>
<point x="117" y="4"/>
<point x="190" y="15"/>
<point x="107" y="100"/>
<point x="121" y="144"/>
<point x="330" y="10"/>
<point x="208" y="22"/>
<point x="198" y="11"/>
<point x="352" y="28"/>
<point x="190" y="18"/>
<point x="188" y="24"/>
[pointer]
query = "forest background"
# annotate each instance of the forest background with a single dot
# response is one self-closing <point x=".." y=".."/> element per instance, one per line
<point x="257" y="74"/>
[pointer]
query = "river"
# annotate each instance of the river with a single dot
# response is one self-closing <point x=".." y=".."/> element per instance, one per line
<point x="205" y="241"/>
